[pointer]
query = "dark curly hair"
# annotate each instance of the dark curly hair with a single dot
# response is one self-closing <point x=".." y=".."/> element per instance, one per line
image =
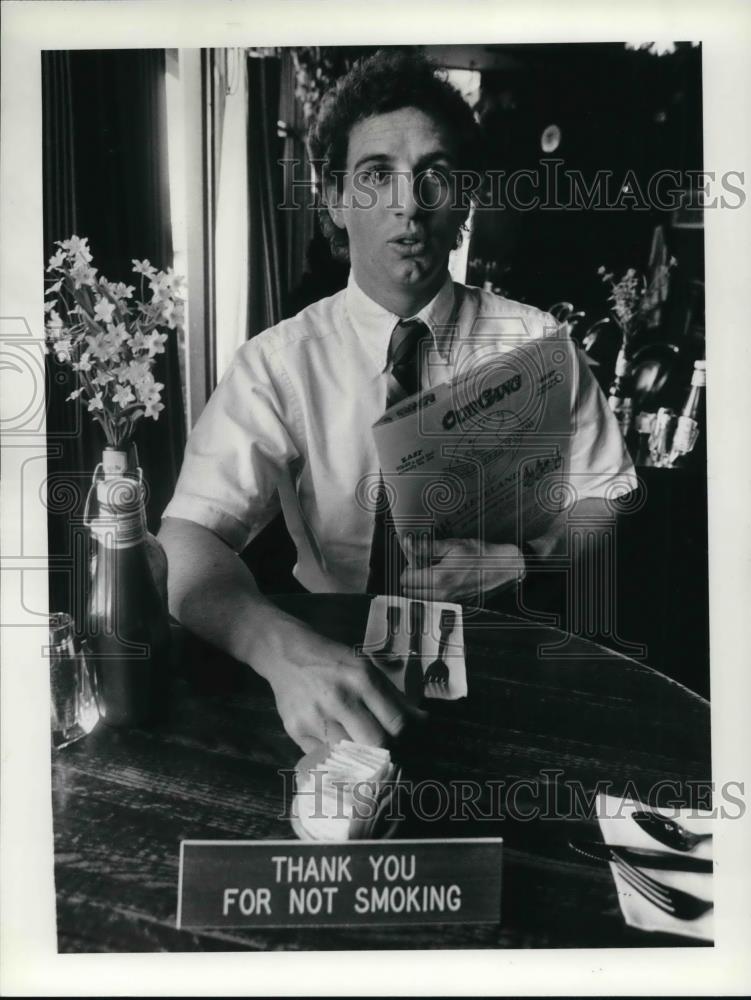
<point x="385" y="81"/>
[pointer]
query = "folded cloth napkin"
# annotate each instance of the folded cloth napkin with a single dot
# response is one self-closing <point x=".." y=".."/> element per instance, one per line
<point x="394" y="665"/>
<point x="617" y="827"/>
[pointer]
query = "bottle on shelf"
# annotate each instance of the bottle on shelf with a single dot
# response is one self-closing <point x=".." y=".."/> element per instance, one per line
<point x="691" y="424"/>
<point x="620" y="396"/>
<point x="127" y="622"/>
<point x="661" y="438"/>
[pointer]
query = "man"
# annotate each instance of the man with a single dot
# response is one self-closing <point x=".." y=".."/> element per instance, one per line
<point x="290" y="424"/>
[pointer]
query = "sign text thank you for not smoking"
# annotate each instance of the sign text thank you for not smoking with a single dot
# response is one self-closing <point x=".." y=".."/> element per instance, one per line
<point x="288" y="883"/>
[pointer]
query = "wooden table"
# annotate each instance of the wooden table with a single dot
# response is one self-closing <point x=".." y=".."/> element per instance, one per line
<point x="123" y="800"/>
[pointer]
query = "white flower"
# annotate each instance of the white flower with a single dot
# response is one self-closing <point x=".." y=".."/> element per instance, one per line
<point x="57" y="260"/>
<point x="77" y="247"/>
<point x="156" y="343"/>
<point x="153" y="408"/>
<point x="117" y="289"/>
<point x="138" y="342"/>
<point x="98" y="347"/>
<point x="165" y="284"/>
<point x="123" y="395"/>
<point x="102" y="334"/>
<point x="103" y="310"/>
<point x="83" y="364"/>
<point x="118" y="332"/>
<point x="54" y="323"/>
<point x="149" y="391"/>
<point x="104" y="346"/>
<point x="102" y="378"/>
<point x="82" y="274"/>
<point x="138" y="373"/>
<point x="143" y="267"/>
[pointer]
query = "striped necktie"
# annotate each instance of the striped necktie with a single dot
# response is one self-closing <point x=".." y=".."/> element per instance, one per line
<point x="387" y="559"/>
<point x="404" y="357"/>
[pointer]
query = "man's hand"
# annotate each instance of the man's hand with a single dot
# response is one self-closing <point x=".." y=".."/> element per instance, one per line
<point x="325" y="692"/>
<point x="460" y="568"/>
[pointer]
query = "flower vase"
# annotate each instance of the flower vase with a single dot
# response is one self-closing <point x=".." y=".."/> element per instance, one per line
<point x="117" y="463"/>
<point x="127" y="624"/>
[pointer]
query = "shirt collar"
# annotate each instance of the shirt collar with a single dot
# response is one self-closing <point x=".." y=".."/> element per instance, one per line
<point x="374" y="325"/>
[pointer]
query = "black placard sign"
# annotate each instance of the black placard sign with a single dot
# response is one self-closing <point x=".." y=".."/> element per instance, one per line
<point x="287" y="883"/>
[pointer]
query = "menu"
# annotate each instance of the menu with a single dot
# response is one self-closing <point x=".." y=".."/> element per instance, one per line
<point x="484" y="455"/>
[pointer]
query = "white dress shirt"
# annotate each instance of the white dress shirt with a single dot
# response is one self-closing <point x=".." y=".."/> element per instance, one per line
<point x="290" y="424"/>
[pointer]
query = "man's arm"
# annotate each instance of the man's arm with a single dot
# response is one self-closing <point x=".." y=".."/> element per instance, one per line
<point x="463" y="567"/>
<point x="324" y="692"/>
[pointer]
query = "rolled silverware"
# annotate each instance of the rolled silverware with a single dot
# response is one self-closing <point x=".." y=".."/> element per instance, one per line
<point x="413" y="682"/>
<point x="385" y="657"/>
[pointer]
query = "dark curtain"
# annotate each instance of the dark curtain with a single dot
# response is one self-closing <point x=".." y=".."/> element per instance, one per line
<point x="105" y="177"/>
<point x="265" y="150"/>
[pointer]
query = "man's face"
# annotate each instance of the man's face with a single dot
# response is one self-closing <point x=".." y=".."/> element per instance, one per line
<point x="396" y="205"/>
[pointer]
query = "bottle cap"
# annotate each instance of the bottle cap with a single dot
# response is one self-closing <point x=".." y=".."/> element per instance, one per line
<point x="700" y="373"/>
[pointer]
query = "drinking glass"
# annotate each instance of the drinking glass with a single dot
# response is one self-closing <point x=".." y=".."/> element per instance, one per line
<point x="73" y="706"/>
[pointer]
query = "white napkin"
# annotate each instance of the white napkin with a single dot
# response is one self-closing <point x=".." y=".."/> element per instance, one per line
<point x="617" y="827"/>
<point x="324" y="806"/>
<point x="376" y="632"/>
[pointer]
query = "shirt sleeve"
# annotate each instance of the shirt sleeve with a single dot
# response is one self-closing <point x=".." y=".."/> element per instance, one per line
<point x="600" y="465"/>
<point x="238" y="451"/>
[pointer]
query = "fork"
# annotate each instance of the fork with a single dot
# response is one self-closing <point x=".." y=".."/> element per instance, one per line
<point x="674" y="902"/>
<point x="438" y="673"/>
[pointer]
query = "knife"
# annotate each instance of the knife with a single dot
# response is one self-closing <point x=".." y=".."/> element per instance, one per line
<point x="642" y="859"/>
<point x="413" y="679"/>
